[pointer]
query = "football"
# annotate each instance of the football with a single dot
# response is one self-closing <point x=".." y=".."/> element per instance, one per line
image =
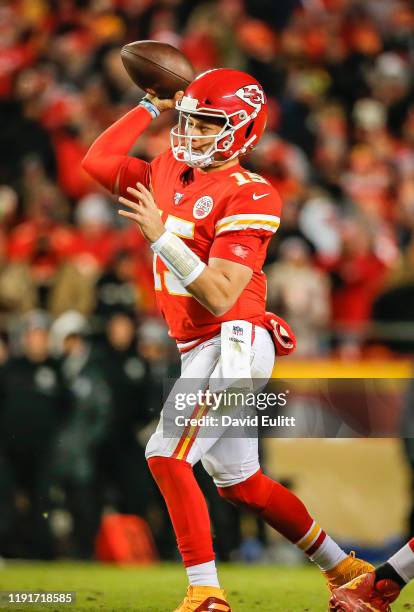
<point x="156" y="67"/>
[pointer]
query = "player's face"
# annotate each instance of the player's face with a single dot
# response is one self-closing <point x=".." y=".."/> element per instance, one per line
<point x="204" y="129"/>
<point x="195" y="139"/>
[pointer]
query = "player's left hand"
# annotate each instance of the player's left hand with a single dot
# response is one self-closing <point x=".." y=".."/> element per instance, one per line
<point x="144" y="211"/>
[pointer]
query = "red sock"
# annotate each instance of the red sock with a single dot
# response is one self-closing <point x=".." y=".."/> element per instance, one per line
<point x="278" y="506"/>
<point x="187" y="508"/>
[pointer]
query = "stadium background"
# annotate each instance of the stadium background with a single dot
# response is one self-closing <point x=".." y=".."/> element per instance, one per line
<point x="79" y="389"/>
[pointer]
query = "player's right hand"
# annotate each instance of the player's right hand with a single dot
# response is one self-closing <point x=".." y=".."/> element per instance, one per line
<point x="164" y="104"/>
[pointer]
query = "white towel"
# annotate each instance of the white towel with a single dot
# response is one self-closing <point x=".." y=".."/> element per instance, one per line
<point x="233" y="369"/>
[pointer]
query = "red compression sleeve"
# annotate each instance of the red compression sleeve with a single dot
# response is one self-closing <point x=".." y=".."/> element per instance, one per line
<point x="108" y="155"/>
<point x="278" y="506"/>
<point x="187" y="508"/>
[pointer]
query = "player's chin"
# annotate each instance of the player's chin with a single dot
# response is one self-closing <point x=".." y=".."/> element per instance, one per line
<point x="199" y="150"/>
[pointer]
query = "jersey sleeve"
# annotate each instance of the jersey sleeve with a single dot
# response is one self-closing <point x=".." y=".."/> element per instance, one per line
<point x="241" y="247"/>
<point x="133" y="171"/>
<point x="246" y="224"/>
<point x="255" y="207"/>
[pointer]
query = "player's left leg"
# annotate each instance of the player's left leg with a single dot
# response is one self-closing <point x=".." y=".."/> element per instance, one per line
<point x="400" y="567"/>
<point x="377" y="589"/>
<point x="286" y="513"/>
<point x="234" y="465"/>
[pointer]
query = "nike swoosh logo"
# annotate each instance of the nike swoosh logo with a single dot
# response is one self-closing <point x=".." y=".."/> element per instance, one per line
<point x="259" y="197"/>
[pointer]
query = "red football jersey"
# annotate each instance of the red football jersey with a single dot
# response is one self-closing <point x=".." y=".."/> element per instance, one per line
<point x="231" y="214"/>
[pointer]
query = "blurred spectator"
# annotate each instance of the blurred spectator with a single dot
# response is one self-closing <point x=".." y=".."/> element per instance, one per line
<point x="391" y="83"/>
<point x="94" y="241"/>
<point x="393" y="308"/>
<point x="22" y="137"/>
<point x="90" y="249"/>
<point x="123" y="464"/>
<point x="158" y="349"/>
<point x="283" y="165"/>
<point x="17" y="288"/>
<point x="331" y="145"/>
<point x="37" y="245"/>
<point x="300" y="293"/>
<point x="117" y="289"/>
<point x="80" y="438"/>
<point x="74" y="284"/>
<point x="357" y="276"/>
<point x="32" y="408"/>
<point x="8" y="207"/>
<point x="320" y="223"/>
<point x="367" y="183"/>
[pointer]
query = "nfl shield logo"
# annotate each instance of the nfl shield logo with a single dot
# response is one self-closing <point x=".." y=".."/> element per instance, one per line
<point x="237" y="330"/>
<point x="177" y="198"/>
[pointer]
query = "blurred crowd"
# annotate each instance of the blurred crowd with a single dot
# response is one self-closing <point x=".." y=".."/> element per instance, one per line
<point x="339" y="147"/>
<point x="75" y="407"/>
<point x="76" y="280"/>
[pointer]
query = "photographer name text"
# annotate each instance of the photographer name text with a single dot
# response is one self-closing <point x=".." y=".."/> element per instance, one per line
<point x="228" y="421"/>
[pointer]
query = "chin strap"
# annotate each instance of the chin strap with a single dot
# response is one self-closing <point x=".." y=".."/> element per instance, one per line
<point x="282" y="335"/>
<point x="210" y="161"/>
<point x="191" y="160"/>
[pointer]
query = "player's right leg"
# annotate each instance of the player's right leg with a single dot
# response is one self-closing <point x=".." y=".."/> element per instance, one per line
<point x="378" y="589"/>
<point x="171" y="459"/>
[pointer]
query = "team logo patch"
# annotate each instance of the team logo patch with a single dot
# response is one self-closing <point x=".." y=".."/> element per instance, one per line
<point x="177" y="198"/>
<point x="252" y="94"/>
<point x="202" y="207"/>
<point x="239" y="250"/>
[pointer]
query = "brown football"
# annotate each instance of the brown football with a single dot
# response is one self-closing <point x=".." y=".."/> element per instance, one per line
<point x="157" y="67"/>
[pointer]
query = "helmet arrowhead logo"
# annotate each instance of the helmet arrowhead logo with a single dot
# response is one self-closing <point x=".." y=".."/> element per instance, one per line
<point x="252" y="94"/>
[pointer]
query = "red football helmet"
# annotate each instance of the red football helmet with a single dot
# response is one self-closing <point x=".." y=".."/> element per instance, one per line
<point x="230" y="95"/>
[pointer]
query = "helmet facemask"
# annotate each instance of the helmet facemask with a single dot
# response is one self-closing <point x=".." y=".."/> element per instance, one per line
<point x="181" y="136"/>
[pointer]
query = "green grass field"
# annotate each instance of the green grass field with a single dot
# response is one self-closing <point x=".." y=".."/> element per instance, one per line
<point x="160" y="588"/>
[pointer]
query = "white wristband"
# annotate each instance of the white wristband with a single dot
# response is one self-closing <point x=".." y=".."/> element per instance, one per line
<point x="194" y="274"/>
<point x="151" y="108"/>
<point x="178" y="257"/>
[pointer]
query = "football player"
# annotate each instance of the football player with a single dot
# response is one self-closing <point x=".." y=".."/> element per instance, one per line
<point x="209" y="222"/>
<point x="375" y="591"/>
